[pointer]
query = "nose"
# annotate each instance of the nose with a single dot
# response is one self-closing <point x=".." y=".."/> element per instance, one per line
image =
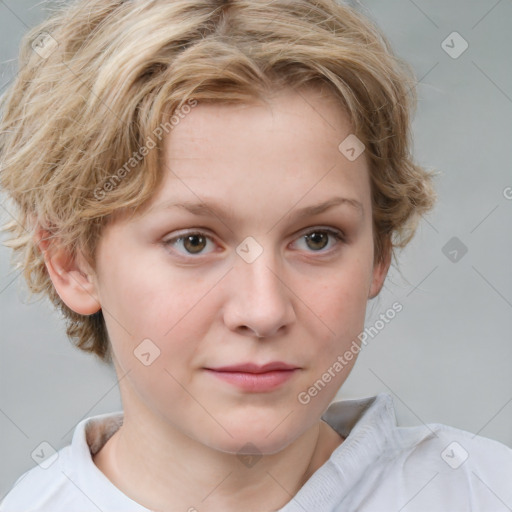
<point x="260" y="302"/>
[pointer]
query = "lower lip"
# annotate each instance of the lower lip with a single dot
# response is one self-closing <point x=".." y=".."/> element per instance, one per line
<point x="255" y="382"/>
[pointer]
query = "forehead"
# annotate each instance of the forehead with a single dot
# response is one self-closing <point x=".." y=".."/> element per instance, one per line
<point x="283" y="150"/>
<point x="288" y="118"/>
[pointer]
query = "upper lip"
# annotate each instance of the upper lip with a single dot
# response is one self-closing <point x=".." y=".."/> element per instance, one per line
<point x="255" y="368"/>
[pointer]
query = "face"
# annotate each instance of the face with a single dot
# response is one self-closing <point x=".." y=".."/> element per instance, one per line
<point x="247" y="275"/>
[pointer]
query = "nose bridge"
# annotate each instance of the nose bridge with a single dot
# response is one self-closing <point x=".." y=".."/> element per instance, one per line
<point x="259" y="299"/>
<point x="257" y="270"/>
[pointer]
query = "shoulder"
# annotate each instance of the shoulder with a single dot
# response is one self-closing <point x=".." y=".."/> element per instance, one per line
<point x="460" y="446"/>
<point x="439" y="465"/>
<point x="68" y="480"/>
<point x="428" y="467"/>
<point x="44" y="488"/>
<point x="442" y="446"/>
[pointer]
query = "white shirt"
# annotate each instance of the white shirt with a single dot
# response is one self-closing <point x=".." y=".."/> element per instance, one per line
<point x="380" y="467"/>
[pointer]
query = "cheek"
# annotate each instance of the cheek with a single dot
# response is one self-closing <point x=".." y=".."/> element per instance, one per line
<point x="342" y="307"/>
<point x="341" y="301"/>
<point x="152" y="309"/>
<point x="344" y="314"/>
<point x="148" y="296"/>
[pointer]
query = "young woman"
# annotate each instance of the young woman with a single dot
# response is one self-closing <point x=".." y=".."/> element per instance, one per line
<point x="211" y="191"/>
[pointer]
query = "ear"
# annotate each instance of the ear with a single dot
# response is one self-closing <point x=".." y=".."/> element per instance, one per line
<point x="71" y="276"/>
<point x="380" y="271"/>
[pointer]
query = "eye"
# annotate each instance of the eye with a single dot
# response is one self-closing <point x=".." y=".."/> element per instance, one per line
<point x="318" y="239"/>
<point x="195" y="243"/>
<point x="192" y="243"/>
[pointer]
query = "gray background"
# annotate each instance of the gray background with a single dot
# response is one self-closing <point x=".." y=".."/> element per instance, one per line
<point x="446" y="358"/>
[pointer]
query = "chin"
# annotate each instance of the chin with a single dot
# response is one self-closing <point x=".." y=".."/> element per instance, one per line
<point x="264" y="436"/>
<point x="248" y="444"/>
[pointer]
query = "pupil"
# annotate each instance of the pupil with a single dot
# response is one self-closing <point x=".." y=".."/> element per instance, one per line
<point x="317" y="238"/>
<point x="195" y="247"/>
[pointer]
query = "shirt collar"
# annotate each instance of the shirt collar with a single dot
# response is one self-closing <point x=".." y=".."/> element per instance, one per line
<point x="366" y="424"/>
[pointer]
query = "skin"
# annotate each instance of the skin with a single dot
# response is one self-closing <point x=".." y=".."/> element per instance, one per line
<point x="301" y="302"/>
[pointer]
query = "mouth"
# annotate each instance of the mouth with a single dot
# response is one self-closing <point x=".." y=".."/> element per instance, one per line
<point x="255" y="378"/>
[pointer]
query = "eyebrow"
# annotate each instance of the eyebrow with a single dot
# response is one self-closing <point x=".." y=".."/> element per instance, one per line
<point x="207" y="209"/>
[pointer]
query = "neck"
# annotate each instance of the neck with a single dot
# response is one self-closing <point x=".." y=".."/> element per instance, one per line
<point x="167" y="470"/>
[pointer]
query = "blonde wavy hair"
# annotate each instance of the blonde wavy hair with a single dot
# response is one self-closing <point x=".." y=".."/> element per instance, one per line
<point x="99" y="78"/>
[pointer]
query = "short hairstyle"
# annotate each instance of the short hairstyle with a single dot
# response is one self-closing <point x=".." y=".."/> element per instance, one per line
<point x="100" y="81"/>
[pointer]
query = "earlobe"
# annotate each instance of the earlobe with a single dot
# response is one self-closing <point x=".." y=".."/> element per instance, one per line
<point x="72" y="278"/>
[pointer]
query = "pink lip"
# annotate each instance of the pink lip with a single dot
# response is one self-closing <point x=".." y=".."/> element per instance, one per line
<point x="255" y="368"/>
<point x="255" y="378"/>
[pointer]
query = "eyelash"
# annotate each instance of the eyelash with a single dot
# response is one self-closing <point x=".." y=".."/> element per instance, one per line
<point x="339" y="237"/>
